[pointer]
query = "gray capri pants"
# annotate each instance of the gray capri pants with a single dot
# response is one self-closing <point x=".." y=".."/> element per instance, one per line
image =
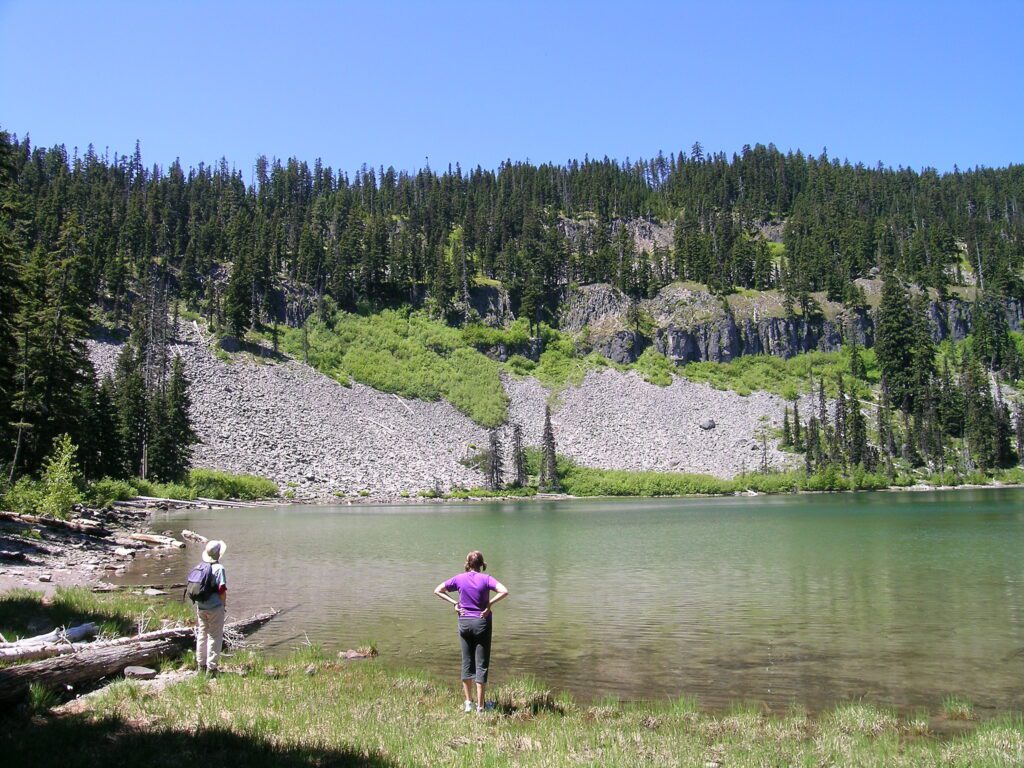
<point x="475" y="641"/>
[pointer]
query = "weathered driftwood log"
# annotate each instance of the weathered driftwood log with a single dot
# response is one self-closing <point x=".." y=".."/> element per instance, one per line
<point x="98" y="660"/>
<point x="160" y="541"/>
<point x="226" y="503"/>
<point x="59" y="635"/>
<point x="104" y="586"/>
<point x="159" y="500"/>
<point x="193" y="536"/>
<point x="78" y="525"/>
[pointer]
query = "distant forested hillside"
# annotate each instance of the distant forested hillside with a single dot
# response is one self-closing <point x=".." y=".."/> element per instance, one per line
<point x="226" y="240"/>
<point x="89" y="240"/>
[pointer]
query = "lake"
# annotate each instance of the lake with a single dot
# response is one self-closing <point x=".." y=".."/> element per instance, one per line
<point x="899" y="598"/>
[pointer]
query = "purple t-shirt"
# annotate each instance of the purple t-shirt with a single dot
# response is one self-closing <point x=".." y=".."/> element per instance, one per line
<point x="474" y="591"/>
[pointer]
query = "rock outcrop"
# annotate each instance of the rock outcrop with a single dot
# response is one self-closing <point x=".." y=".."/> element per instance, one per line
<point x="491" y="304"/>
<point x="690" y="324"/>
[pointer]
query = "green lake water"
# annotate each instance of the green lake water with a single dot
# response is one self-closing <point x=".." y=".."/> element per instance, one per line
<point x="897" y="598"/>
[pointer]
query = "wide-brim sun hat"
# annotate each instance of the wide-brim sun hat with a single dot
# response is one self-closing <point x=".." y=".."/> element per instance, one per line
<point x="214" y="551"/>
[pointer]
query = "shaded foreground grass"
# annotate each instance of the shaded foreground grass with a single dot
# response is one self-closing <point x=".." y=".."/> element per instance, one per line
<point x="314" y="710"/>
<point x="24" y="612"/>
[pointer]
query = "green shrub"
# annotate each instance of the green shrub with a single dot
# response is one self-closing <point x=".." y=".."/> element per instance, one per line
<point x="61" y="479"/>
<point x="25" y="496"/>
<point x="105" y="491"/>
<point x="654" y="367"/>
<point x="212" y="484"/>
<point x="409" y="354"/>
<point x="163" y="490"/>
<point x="487" y="493"/>
<point x="787" y="378"/>
<point x="587" y="481"/>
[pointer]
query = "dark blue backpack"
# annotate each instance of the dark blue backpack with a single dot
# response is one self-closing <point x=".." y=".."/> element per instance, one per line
<point x="200" y="584"/>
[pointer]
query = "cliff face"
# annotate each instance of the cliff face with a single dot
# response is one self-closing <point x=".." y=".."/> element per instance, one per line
<point x="689" y="324"/>
<point x="726" y="338"/>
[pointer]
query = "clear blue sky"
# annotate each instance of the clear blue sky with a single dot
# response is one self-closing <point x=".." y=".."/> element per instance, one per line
<point x="906" y="83"/>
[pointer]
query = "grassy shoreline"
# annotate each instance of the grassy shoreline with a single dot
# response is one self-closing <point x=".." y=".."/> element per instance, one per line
<point x="312" y="709"/>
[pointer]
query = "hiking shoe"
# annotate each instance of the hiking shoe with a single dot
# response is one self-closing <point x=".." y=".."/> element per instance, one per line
<point x="468" y="706"/>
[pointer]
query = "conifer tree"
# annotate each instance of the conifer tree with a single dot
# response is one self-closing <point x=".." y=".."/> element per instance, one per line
<point x="980" y="427"/>
<point x="841" y="408"/>
<point x="787" y="436"/>
<point x="548" y="465"/>
<point x="814" y="452"/>
<point x="1018" y="431"/>
<point x="11" y="257"/>
<point x="518" y="457"/>
<point x="894" y="345"/>
<point x="798" y="441"/>
<point x="495" y="473"/>
<point x="171" y="426"/>
<point x="856" y="435"/>
<point x="130" y="404"/>
<point x="883" y="425"/>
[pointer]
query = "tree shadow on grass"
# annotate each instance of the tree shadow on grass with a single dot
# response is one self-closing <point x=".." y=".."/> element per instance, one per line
<point x="23" y="614"/>
<point x="77" y="741"/>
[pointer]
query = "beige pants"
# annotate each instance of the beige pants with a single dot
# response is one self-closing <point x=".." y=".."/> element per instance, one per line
<point x="209" y="638"/>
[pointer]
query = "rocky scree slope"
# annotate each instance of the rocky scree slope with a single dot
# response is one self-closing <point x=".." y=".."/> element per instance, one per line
<point x="318" y="439"/>
<point x="310" y="434"/>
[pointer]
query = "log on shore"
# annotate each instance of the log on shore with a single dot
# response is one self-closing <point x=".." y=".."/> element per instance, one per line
<point x="160" y="541"/>
<point x="104" y="586"/>
<point x="159" y="500"/>
<point x="98" y="660"/>
<point x="71" y="635"/>
<point x="78" y="525"/>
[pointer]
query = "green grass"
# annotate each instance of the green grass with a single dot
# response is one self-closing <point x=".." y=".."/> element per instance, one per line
<point x="24" y="612"/>
<point x="406" y="353"/>
<point x="314" y="710"/>
<point x="487" y="493"/>
<point x="213" y="484"/>
<point x="577" y="480"/>
<point x="957" y="708"/>
<point x="205" y="483"/>
<point x="788" y="378"/>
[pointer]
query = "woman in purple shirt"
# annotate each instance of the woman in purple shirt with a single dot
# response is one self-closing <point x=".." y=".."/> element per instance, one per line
<point x="474" y="609"/>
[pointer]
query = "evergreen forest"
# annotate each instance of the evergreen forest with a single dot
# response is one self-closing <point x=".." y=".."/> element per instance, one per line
<point x="92" y="243"/>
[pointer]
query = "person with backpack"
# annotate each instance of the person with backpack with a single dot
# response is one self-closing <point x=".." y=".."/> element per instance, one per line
<point x="207" y="587"/>
<point x="475" y="623"/>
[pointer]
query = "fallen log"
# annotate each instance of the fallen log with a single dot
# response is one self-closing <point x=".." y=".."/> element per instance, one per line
<point x="105" y="586"/>
<point x="158" y="500"/>
<point x="95" y="661"/>
<point x="160" y="541"/>
<point x="226" y="503"/>
<point x="52" y="643"/>
<point x="71" y="635"/>
<point x="193" y="536"/>
<point x="78" y="525"/>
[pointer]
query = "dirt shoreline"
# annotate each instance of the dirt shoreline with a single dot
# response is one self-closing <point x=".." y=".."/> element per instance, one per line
<point x="39" y="557"/>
